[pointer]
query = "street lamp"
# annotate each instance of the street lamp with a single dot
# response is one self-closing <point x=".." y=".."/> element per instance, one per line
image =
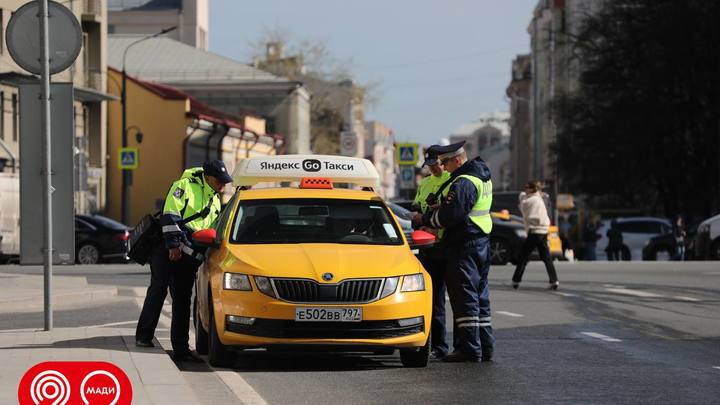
<point x="126" y="179"/>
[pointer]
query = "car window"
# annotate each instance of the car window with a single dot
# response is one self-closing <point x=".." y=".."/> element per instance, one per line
<point x="314" y="221"/>
<point x="225" y="217"/>
<point x="640" y="227"/>
<point x="400" y="211"/>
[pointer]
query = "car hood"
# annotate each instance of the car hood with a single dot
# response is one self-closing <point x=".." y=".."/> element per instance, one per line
<point x="312" y="260"/>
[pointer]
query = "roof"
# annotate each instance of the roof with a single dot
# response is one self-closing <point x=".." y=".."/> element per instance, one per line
<point x="293" y="193"/>
<point x="166" y="60"/>
<point x="197" y="108"/>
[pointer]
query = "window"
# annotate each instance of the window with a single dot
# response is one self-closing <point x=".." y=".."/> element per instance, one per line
<point x="14" y="117"/>
<point x="2" y="30"/>
<point x="314" y="221"/>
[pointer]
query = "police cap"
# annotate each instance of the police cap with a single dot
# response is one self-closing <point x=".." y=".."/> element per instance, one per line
<point x="448" y="151"/>
<point x="431" y="155"/>
<point x="216" y="168"/>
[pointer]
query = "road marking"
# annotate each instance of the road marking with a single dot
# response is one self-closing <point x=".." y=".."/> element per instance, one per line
<point x="601" y="337"/>
<point x="112" y="324"/>
<point x="566" y="294"/>
<point x="717" y="367"/>
<point x="512" y="314"/>
<point x="232" y="379"/>
<point x="635" y="293"/>
<point x="683" y="298"/>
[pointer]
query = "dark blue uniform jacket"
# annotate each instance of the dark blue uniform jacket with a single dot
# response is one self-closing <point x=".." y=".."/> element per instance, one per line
<point x="454" y="209"/>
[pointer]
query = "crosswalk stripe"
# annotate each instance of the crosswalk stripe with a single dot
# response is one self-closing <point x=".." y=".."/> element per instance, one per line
<point x="602" y="337"/>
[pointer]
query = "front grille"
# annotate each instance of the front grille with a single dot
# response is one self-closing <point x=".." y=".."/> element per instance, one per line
<point x="311" y="291"/>
<point x="276" y="328"/>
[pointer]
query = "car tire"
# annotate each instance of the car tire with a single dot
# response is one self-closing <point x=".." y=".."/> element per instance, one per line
<point x="500" y="252"/>
<point x="201" y="335"/>
<point x="218" y="355"/>
<point x="416" y="357"/>
<point x="87" y="254"/>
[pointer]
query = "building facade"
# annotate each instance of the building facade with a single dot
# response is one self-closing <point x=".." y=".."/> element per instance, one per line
<point x="554" y="72"/>
<point x="146" y="17"/>
<point x="173" y="131"/>
<point x="228" y="86"/>
<point x="380" y="149"/>
<point x="89" y="77"/>
<point x="518" y="93"/>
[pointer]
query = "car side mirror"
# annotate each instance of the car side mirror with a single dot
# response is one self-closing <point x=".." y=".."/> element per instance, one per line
<point x="421" y="240"/>
<point x="206" y="238"/>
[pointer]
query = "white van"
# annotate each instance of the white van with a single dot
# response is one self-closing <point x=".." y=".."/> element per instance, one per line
<point x="636" y="231"/>
<point x="707" y="239"/>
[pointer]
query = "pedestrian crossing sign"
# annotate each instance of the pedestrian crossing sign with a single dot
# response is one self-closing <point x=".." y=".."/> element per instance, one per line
<point x="128" y="158"/>
<point x="406" y="153"/>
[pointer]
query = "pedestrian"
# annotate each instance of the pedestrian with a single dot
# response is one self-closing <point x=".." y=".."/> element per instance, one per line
<point x="589" y="239"/>
<point x="433" y="258"/>
<point x="537" y="223"/>
<point x="464" y="217"/>
<point x="192" y="204"/>
<point x="680" y="234"/>
<point x="615" y="242"/>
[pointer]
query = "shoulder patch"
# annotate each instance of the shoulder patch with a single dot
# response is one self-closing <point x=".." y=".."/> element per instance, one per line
<point x="178" y="192"/>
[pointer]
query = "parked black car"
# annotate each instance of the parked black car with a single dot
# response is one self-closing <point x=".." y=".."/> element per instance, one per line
<point x="664" y="247"/>
<point x="505" y="240"/>
<point x="100" y="239"/>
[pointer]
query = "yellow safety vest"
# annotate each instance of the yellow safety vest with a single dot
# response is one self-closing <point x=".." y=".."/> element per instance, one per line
<point x="480" y="212"/>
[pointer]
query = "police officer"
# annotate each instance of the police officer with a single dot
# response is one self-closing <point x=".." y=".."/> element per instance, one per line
<point x="433" y="258"/>
<point x="192" y="204"/>
<point x="464" y="213"/>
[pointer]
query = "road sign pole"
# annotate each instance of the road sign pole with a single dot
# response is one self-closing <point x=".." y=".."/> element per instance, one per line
<point x="47" y="172"/>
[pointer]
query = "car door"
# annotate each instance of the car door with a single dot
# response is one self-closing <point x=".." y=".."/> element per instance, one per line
<point x="83" y="232"/>
<point x="636" y="233"/>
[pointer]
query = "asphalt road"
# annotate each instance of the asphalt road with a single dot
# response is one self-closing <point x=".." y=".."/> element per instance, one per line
<point x="630" y="332"/>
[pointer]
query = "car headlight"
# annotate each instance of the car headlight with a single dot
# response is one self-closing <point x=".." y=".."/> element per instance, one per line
<point x="264" y="285"/>
<point x="414" y="282"/>
<point x="521" y="233"/>
<point x="236" y="281"/>
<point x="389" y="287"/>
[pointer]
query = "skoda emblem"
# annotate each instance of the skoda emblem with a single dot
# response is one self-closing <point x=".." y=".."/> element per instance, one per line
<point x="327" y="276"/>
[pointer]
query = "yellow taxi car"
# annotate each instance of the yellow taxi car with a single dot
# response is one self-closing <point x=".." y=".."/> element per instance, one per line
<point x="310" y="265"/>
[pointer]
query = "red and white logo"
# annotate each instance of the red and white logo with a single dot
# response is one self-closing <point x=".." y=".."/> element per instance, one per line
<point x="75" y="382"/>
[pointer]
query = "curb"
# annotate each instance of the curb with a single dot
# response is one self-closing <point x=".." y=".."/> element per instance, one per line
<point x="35" y="302"/>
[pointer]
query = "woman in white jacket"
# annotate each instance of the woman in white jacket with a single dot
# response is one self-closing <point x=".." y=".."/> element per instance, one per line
<point x="537" y="223"/>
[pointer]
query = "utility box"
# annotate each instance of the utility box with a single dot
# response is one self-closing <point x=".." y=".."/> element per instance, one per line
<point x="31" y="174"/>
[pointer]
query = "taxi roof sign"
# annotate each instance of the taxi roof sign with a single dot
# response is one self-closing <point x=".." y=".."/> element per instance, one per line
<point x="280" y="168"/>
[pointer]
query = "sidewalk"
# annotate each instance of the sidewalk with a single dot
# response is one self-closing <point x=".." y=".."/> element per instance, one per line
<point x="154" y="376"/>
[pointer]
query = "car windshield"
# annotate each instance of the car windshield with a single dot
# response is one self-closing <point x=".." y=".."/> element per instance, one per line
<point x="314" y="221"/>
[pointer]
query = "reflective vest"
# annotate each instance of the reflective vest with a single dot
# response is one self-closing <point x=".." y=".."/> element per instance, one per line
<point x="480" y="212"/>
<point x="191" y="194"/>
<point x="429" y="185"/>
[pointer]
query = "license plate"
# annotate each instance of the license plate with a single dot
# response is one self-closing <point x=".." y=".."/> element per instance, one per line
<point x="309" y="314"/>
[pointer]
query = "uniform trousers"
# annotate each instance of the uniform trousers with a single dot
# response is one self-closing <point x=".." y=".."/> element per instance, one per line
<point x="535" y="241"/>
<point x="179" y="276"/>
<point x="467" y="283"/>
<point x="434" y="262"/>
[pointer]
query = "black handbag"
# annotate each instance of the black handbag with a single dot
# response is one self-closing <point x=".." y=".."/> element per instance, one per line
<point x="144" y="238"/>
<point x="147" y="234"/>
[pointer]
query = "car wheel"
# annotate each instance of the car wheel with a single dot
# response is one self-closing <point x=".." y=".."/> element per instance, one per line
<point x="201" y="336"/>
<point x="218" y="355"/>
<point x="417" y="357"/>
<point x="499" y="252"/>
<point x="88" y="254"/>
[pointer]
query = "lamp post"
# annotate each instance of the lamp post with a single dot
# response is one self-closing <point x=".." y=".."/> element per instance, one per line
<point x="126" y="179"/>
